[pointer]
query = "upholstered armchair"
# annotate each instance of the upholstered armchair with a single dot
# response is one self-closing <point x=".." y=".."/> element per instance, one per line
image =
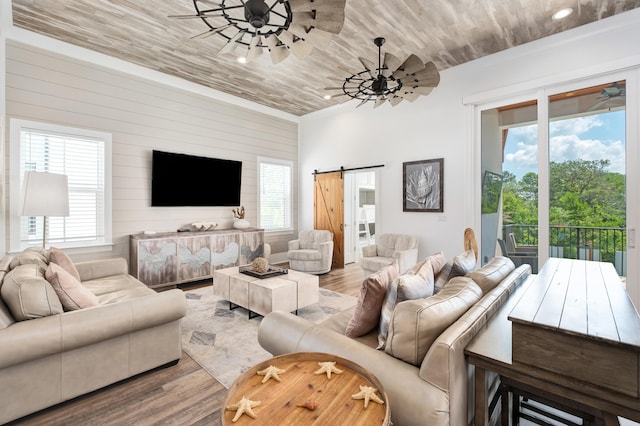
<point x="390" y="247"/>
<point x="312" y="252"/>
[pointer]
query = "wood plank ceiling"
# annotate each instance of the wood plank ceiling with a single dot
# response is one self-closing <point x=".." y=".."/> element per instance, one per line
<point x="447" y="32"/>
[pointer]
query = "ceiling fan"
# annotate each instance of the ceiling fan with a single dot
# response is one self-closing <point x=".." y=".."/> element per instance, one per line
<point x="280" y="26"/>
<point x="614" y="92"/>
<point x="392" y="80"/>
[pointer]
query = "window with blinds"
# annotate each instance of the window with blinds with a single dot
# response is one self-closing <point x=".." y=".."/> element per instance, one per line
<point x="274" y="201"/>
<point x="81" y="156"/>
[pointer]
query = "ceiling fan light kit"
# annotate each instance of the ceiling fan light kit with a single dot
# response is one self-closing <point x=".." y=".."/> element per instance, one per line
<point x="392" y="80"/>
<point x="279" y="26"/>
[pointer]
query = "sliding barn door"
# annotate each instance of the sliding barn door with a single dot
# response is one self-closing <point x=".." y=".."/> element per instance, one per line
<point x="329" y="211"/>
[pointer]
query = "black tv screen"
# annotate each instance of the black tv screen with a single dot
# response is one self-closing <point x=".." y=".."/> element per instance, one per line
<point x="189" y="180"/>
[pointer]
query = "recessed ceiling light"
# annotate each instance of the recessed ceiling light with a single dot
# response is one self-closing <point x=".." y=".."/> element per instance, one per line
<point x="562" y="13"/>
<point x="242" y="60"/>
<point x="327" y="96"/>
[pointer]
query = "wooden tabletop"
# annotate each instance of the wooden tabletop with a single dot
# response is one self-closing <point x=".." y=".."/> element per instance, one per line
<point x="299" y="385"/>
<point x="582" y="298"/>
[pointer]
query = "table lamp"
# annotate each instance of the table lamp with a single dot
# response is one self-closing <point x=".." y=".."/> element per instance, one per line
<point x="45" y="194"/>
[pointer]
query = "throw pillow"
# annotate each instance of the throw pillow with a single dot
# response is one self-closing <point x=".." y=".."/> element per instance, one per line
<point x="456" y="267"/>
<point x="405" y="287"/>
<point x="61" y="258"/>
<point x="71" y="292"/>
<point x="492" y="273"/>
<point x="372" y="292"/>
<point x="416" y="324"/>
<point x="31" y="256"/>
<point x="437" y="262"/>
<point x="28" y="295"/>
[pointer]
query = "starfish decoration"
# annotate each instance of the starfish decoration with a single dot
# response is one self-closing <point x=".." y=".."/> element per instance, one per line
<point x="367" y="393"/>
<point x="244" y="406"/>
<point x="328" y="367"/>
<point x="271" y="372"/>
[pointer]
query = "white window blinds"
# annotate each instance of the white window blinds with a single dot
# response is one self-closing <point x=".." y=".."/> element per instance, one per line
<point x="275" y="209"/>
<point x="82" y="159"/>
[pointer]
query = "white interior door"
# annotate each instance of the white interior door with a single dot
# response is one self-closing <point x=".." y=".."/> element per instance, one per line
<point x="350" y="224"/>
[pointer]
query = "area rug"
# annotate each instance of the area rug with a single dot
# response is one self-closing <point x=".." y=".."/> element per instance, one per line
<point x="225" y="342"/>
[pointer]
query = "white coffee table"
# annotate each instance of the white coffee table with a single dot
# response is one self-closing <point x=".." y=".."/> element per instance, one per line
<point x="288" y="292"/>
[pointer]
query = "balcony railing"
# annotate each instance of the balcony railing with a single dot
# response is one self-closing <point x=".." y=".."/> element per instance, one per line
<point x="577" y="242"/>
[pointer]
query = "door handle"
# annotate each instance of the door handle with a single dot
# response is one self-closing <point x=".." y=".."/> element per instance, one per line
<point x="342" y="226"/>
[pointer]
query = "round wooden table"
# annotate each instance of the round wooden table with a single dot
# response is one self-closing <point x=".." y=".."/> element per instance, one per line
<point x="332" y="397"/>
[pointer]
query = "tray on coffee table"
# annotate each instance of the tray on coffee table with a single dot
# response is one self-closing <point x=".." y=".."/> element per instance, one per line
<point x="273" y="271"/>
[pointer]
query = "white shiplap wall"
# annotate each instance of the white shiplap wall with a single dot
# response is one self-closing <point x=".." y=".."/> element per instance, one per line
<point x="143" y="115"/>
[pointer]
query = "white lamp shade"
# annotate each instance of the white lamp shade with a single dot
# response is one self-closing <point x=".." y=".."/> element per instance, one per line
<point x="45" y="194"/>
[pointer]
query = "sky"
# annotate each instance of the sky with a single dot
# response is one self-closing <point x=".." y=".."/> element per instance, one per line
<point x="593" y="137"/>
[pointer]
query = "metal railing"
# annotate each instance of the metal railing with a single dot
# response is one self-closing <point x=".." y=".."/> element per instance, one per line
<point x="577" y="242"/>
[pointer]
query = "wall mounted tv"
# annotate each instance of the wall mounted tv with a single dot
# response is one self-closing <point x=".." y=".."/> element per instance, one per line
<point x="189" y="180"/>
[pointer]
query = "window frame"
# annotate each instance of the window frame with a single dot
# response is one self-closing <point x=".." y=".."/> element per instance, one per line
<point x="16" y="126"/>
<point x="281" y="162"/>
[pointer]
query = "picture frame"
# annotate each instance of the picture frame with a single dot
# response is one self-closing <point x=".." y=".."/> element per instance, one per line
<point x="422" y="186"/>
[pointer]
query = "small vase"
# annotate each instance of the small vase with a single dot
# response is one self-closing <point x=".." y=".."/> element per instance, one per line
<point x="241" y="224"/>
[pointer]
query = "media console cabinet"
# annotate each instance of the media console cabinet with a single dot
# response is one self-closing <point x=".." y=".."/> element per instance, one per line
<point x="171" y="258"/>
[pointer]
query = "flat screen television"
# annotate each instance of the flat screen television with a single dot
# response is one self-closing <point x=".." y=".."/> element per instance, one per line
<point x="189" y="180"/>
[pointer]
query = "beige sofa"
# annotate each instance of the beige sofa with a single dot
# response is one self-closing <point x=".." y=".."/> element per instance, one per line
<point x="437" y="389"/>
<point x="53" y="358"/>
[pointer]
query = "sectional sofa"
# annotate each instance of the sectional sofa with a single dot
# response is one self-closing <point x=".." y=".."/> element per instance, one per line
<point x="422" y="365"/>
<point x="50" y="354"/>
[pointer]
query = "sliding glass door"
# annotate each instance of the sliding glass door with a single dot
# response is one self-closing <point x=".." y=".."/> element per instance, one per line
<point x="587" y="174"/>
<point x="555" y="175"/>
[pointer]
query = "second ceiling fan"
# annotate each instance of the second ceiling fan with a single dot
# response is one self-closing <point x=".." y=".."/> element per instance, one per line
<point x="279" y="26"/>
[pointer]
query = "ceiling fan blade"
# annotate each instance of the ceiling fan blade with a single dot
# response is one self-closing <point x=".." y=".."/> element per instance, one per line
<point x="231" y="44"/>
<point x="278" y="52"/>
<point x="314" y="37"/>
<point x="254" y="49"/>
<point x="379" y="101"/>
<point x="331" y="22"/>
<point x="424" y="91"/>
<point x="428" y="77"/>
<point x="297" y="46"/>
<point x="338" y="95"/>
<point x="412" y="96"/>
<point x="364" y="101"/>
<point x="395" y="100"/>
<point x="390" y="63"/>
<point x="318" y="5"/>
<point x="369" y="66"/>
<point x="198" y="16"/>
<point x="411" y="65"/>
<point x="210" y="32"/>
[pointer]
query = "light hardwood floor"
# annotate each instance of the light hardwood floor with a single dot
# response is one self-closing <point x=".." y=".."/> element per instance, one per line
<point x="182" y="394"/>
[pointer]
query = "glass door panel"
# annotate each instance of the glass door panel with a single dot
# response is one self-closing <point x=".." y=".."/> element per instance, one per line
<point x="587" y="174"/>
<point x="509" y="203"/>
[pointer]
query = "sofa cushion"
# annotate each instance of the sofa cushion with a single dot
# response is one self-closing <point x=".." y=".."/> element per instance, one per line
<point x="61" y="258"/>
<point x="28" y="294"/>
<point x="375" y="263"/>
<point x="72" y="294"/>
<point x="492" y="273"/>
<point x="366" y="315"/>
<point x="405" y="287"/>
<point x="6" y="319"/>
<point x="416" y="324"/>
<point x="304" y="254"/>
<point x="456" y="267"/>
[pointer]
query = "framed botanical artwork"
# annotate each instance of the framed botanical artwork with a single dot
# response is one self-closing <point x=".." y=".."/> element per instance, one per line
<point x="422" y="183"/>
